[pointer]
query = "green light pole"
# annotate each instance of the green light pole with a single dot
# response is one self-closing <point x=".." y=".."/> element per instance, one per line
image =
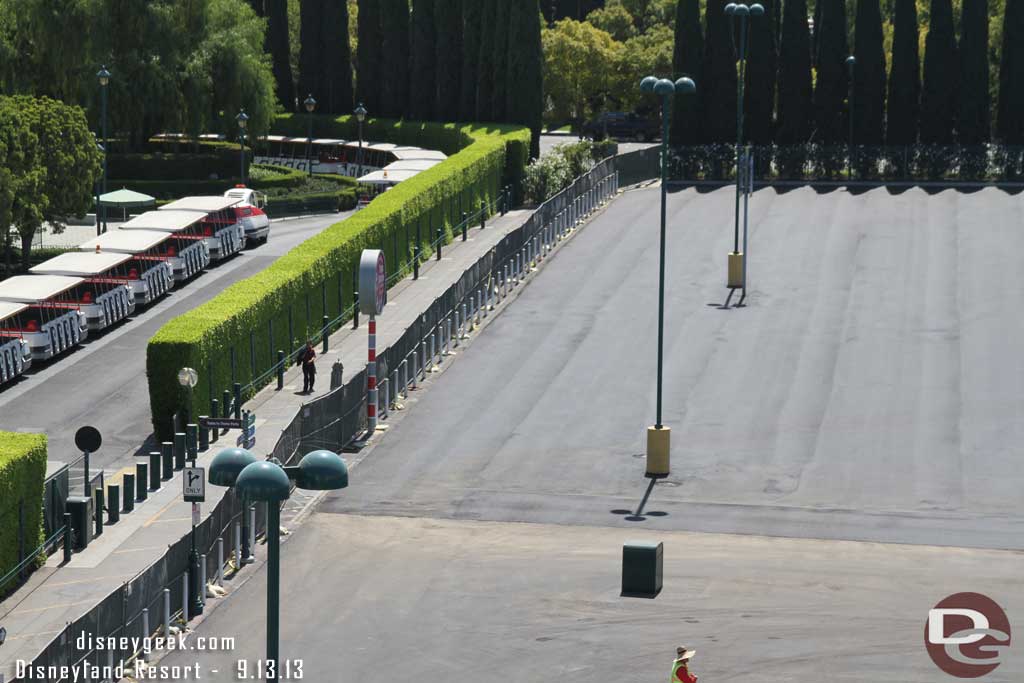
<point x="360" y="113"/>
<point x="739" y="13"/>
<point x="658" y="436"/>
<point x="268" y="481"/>
<point x="103" y="76"/>
<point x="310" y="105"/>
<point x="243" y="121"/>
<point x="851" y="65"/>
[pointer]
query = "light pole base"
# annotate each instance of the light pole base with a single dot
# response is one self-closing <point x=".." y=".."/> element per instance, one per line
<point x="735" y="270"/>
<point x="658" y="452"/>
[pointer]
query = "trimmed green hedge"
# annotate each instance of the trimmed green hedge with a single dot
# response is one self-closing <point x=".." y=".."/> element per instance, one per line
<point x="241" y="328"/>
<point x="223" y="163"/>
<point x="22" y="476"/>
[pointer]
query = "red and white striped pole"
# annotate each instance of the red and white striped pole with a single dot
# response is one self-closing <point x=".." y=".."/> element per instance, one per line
<point x="371" y="379"/>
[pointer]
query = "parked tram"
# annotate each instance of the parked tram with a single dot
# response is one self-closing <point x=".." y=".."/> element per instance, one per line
<point x="52" y="320"/>
<point x="215" y="219"/>
<point x="189" y="253"/>
<point x="341" y="157"/>
<point x="107" y="296"/>
<point x="15" y="353"/>
<point x="149" y="271"/>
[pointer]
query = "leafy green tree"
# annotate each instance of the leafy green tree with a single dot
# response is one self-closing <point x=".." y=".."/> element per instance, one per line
<point x="499" y="112"/>
<point x="762" y="65"/>
<point x="395" y="77"/>
<point x="615" y="20"/>
<point x="687" y="60"/>
<point x="524" y="102"/>
<point x="869" y="75"/>
<point x="579" y="70"/>
<point x="905" y="78"/>
<point x="423" y="92"/>
<point x="939" y="86"/>
<point x="276" y="44"/>
<point x="22" y="175"/>
<point x="471" y="22"/>
<point x="448" y="19"/>
<point x="830" y="89"/>
<point x="370" y="56"/>
<point x="649" y="13"/>
<point x="974" y="120"/>
<point x="65" y="152"/>
<point x="719" y="91"/>
<point x="796" y="105"/>
<point x="1009" y="121"/>
<point x="485" y="87"/>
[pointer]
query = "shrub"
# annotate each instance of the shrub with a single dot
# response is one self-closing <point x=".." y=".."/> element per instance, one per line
<point x="234" y="337"/>
<point x="22" y="475"/>
<point x="159" y="166"/>
<point x="557" y="169"/>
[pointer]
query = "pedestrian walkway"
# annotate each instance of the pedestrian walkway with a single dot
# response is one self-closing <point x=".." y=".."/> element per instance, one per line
<point x="56" y="595"/>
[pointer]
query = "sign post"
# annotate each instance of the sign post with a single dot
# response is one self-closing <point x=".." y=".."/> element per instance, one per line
<point x="88" y="439"/>
<point x="193" y="481"/>
<point x="373" y="296"/>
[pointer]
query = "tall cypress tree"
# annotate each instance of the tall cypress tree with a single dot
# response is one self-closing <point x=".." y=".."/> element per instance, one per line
<point x="719" y="100"/>
<point x="276" y="43"/>
<point x="423" y="90"/>
<point x="370" y="56"/>
<point x="1010" y="123"/>
<point x="499" y="111"/>
<point x="830" y="90"/>
<point x="311" y="57"/>
<point x="395" y="76"/>
<point x="869" y="76"/>
<point x="337" y="58"/>
<point x="795" y="92"/>
<point x="448" y="20"/>
<point x="759" y="89"/>
<point x="524" y="103"/>
<point x="974" y="122"/>
<point x="471" y="16"/>
<point x="485" y="63"/>
<point x="688" y="60"/>
<point x="939" y="87"/>
<point x="905" y="79"/>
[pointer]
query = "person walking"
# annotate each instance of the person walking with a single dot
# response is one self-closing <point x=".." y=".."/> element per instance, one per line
<point x="681" y="666"/>
<point x="307" y="357"/>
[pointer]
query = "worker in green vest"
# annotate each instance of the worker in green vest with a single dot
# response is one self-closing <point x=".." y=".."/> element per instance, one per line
<point x="681" y="666"/>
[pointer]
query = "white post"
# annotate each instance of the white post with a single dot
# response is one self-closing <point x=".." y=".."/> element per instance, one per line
<point x="184" y="599"/>
<point x="110" y="666"/>
<point x="464" y="330"/>
<point x="145" y="631"/>
<point x="476" y="305"/>
<point x="404" y="374"/>
<point x="220" y="561"/>
<point x="238" y="545"/>
<point x="167" y="612"/>
<point x="202" y="579"/>
<point x="433" y="340"/>
<point x="252" y="535"/>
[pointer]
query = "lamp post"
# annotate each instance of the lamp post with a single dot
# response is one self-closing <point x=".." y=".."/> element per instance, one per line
<point x="188" y="378"/>
<point x="851" y="66"/>
<point x="360" y="113"/>
<point x="310" y="105"/>
<point x="103" y="76"/>
<point x="269" y="482"/>
<point x="658" y="435"/>
<point x="739" y="13"/>
<point x="243" y="121"/>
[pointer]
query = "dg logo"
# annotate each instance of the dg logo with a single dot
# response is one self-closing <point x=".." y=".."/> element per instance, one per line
<point x="967" y="635"/>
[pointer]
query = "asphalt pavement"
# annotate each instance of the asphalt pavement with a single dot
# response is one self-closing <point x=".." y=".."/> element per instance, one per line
<point x="103" y="382"/>
<point x="850" y="437"/>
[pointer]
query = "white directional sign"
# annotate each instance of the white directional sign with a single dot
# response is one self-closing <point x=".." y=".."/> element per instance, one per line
<point x="193" y="479"/>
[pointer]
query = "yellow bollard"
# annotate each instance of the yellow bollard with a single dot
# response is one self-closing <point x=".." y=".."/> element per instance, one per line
<point x="658" y="451"/>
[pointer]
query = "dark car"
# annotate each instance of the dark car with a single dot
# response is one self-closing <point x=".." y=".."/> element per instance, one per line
<point x="621" y="126"/>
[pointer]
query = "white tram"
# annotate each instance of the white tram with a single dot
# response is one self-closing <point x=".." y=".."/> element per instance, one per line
<point x="52" y="321"/>
<point x="106" y="296"/>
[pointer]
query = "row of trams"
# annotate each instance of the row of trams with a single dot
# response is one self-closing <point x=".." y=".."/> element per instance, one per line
<point x="52" y="310"/>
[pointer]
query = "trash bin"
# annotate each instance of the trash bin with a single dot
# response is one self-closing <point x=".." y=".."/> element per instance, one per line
<point x="642" y="568"/>
<point x="81" y="510"/>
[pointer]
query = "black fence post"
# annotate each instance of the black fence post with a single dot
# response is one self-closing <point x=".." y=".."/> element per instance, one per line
<point x="98" y="512"/>
<point x="113" y="509"/>
<point x="226" y="406"/>
<point x="191" y="439"/>
<point x="355" y="308"/>
<point x="416" y="261"/>
<point x="214" y="412"/>
<point x="280" y="369"/>
<point x="128" y="494"/>
<point x="483" y="214"/>
<point x="465" y="225"/>
<point x="179" y="450"/>
<point x="167" y="457"/>
<point x="440" y="241"/>
<point x="238" y="400"/>
<point x="67" y="537"/>
<point x="154" y="470"/>
<point x="326" y="332"/>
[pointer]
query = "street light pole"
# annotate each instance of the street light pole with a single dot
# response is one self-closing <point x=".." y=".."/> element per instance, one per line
<point x="851" y="64"/>
<point x="243" y="121"/>
<point x="360" y="113"/>
<point x="740" y="13"/>
<point x="658" y="436"/>
<point x="104" y="78"/>
<point x="310" y="105"/>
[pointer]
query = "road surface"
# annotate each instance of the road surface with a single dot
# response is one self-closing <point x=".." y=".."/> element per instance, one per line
<point x="103" y="383"/>
<point x="850" y="439"/>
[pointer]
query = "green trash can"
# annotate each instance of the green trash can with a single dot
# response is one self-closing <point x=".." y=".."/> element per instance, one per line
<point x="642" y="568"/>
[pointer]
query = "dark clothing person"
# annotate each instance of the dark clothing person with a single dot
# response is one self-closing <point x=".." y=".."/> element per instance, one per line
<point x="307" y="357"/>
